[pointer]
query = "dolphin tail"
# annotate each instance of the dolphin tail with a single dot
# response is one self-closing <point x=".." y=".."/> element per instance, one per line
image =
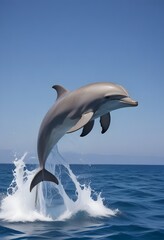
<point x="43" y="175"/>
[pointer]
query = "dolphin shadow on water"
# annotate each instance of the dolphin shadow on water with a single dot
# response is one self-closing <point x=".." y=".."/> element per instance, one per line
<point x="75" y="110"/>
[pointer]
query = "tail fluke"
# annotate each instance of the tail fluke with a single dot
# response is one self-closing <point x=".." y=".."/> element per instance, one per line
<point x="43" y="175"/>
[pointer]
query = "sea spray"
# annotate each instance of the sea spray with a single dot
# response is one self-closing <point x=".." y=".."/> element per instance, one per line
<point x="84" y="202"/>
<point x="47" y="201"/>
<point x="20" y="204"/>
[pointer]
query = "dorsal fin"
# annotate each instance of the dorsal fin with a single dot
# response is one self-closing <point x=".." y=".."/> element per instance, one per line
<point x="60" y="90"/>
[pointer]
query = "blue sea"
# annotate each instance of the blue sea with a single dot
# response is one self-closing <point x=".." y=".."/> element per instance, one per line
<point x="116" y="202"/>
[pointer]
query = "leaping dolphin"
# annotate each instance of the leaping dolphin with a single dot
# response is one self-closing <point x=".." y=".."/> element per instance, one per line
<point x="75" y="110"/>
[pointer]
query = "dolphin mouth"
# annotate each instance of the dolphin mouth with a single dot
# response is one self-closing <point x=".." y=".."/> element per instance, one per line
<point x="129" y="101"/>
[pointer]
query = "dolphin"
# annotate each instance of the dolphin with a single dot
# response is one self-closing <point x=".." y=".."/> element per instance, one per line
<point x="73" y="111"/>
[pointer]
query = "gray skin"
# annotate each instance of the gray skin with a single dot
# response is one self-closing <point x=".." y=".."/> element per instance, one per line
<point x="75" y="110"/>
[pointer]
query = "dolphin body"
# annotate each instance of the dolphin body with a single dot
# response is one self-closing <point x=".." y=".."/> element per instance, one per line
<point x="75" y="110"/>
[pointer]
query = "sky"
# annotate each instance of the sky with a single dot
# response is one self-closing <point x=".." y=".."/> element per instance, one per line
<point x="73" y="43"/>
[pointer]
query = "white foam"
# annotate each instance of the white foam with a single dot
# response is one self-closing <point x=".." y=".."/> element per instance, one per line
<point x="84" y="202"/>
<point x="22" y="205"/>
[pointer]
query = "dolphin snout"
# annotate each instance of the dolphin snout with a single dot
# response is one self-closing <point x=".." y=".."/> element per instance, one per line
<point x="129" y="101"/>
<point x="135" y="103"/>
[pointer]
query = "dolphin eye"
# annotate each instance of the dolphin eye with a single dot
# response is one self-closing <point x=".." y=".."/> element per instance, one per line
<point x="111" y="97"/>
<point x="114" y="97"/>
<point x="107" y="97"/>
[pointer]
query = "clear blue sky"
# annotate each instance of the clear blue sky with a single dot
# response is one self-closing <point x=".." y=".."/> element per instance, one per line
<point x="73" y="43"/>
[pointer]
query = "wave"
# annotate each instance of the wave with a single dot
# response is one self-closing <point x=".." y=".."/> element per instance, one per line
<point x="49" y="202"/>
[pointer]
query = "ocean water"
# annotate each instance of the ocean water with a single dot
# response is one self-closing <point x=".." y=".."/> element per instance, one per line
<point x="117" y="202"/>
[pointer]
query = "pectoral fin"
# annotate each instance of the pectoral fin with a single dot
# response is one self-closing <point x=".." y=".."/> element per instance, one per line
<point x="87" y="128"/>
<point x="83" y="121"/>
<point x="105" y="122"/>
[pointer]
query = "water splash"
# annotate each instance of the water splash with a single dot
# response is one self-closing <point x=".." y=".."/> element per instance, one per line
<point x="19" y="204"/>
<point x="48" y="202"/>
